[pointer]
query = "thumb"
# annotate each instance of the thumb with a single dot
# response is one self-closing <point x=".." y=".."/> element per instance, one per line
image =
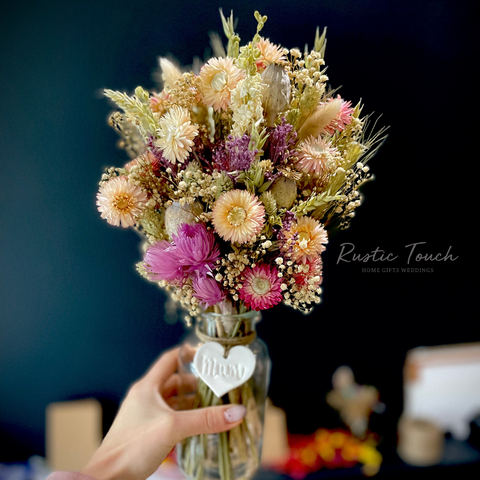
<point x="208" y="420"/>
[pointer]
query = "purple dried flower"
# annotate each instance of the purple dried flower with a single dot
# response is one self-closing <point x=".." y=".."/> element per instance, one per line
<point x="272" y="176"/>
<point x="234" y="154"/>
<point x="281" y="142"/>
<point x="220" y="158"/>
<point x="287" y="220"/>
<point x="203" y="153"/>
<point x="207" y="290"/>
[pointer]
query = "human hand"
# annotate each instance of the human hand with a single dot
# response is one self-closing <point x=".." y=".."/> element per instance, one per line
<point x="146" y="427"/>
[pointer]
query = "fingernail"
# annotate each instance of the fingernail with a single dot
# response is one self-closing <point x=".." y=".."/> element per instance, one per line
<point x="235" y="413"/>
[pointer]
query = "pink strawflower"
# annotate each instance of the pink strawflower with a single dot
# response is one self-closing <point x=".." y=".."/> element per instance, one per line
<point x="196" y="249"/>
<point x="311" y="273"/>
<point x="343" y="118"/>
<point x="193" y="250"/>
<point x="316" y="156"/>
<point x="261" y="287"/>
<point x="207" y="290"/>
<point x="162" y="263"/>
<point x="158" y="102"/>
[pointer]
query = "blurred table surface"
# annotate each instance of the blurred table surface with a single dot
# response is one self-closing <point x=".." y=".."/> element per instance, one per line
<point x="460" y="461"/>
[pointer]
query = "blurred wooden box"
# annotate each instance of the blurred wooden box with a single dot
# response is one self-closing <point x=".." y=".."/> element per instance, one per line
<point x="275" y="448"/>
<point x="73" y="433"/>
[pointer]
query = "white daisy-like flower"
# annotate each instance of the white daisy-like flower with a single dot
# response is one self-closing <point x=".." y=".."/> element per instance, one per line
<point x="176" y="134"/>
<point x="120" y="202"/>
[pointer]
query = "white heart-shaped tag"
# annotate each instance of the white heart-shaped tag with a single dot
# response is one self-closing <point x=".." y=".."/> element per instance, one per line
<point x="223" y="374"/>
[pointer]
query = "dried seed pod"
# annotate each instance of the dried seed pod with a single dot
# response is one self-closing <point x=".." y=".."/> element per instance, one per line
<point x="284" y="190"/>
<point x="276" y="94"/>
<point x="177" y="214"/>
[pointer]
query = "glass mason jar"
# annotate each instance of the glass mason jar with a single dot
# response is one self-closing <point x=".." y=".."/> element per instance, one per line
<point x="234" y="454"/>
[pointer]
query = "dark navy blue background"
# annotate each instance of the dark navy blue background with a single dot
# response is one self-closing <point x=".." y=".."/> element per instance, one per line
<point x="76" y="319"/>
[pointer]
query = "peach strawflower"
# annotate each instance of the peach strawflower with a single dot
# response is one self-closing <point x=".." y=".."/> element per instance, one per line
<point x="217" y="79"/>
<point x="120" y="201"/>
<point x="269" y="53"/>
<point x="305" y="239"/>
<point x="317" y="156"/>
<point x="238" y="216"/>
<point x="176" y="134"/>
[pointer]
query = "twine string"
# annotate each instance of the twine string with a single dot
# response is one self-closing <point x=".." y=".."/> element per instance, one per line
<point x="227" y="342"/>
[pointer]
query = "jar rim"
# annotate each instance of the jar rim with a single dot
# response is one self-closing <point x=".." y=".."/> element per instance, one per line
<point x="254" y="315"/>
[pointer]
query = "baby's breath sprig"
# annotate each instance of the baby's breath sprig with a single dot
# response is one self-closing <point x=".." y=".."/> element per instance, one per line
<point x="110" y="173"/>
<point x="130" y="138"/>
<point x="184" y="295"/>
<point x="228" y="269"/>
<point x="194" y="184"/>
<point x="184" y="92"/>
<point x="308" y="84"/>
<point x="304" y="295"/>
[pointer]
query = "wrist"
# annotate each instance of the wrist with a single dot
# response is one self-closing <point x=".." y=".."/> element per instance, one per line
<point x="108" y="466"/>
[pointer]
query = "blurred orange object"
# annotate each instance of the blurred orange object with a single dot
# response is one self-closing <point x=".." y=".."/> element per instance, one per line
<point x="330" y="449"/>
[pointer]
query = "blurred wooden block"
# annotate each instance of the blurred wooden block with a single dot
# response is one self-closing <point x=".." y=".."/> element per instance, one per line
<point x="73" y="433"/>
<point x="275" y="448"/>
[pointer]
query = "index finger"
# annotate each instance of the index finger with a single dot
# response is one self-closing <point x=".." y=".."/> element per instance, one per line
<point x="164" y="367"/>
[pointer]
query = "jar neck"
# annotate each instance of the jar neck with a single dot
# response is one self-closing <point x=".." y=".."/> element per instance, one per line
<point x="223" y="325"/>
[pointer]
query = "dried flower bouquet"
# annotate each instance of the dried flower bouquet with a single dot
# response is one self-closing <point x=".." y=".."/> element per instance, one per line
<point x="237" y="173"/>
